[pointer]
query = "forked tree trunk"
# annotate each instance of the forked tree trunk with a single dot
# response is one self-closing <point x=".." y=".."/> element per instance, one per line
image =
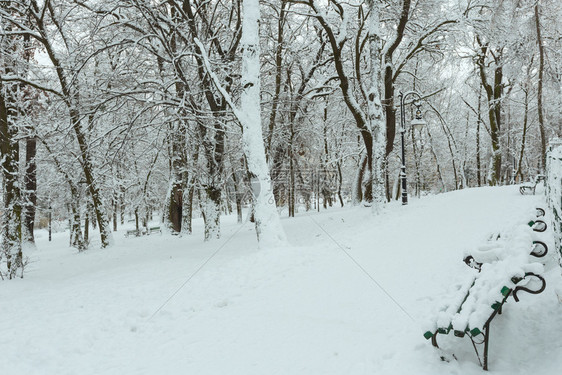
<point x="268" y="226"/>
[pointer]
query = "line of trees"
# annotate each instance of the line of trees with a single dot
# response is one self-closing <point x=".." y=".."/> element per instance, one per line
<point x="111" y="110"/>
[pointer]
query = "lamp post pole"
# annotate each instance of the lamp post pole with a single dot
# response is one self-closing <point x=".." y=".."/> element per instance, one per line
<point x="50" y="221"/>
<point x="402" y="98"/>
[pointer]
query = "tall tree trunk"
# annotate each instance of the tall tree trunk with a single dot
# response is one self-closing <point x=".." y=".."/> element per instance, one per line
<point x="519" y="172"/>
<point x="30" y="200"/>
<point x="540" y="89"/>
<point x="375" y="111"/>
<point x="11" y="226"/>
<point x="268" y="225"/>
<point x="238" y="193"/>
<point x="71" y="100"/>
<point x="114" y="213"/>
<point x="213" y="148"/>
<point x="494" y="94"/>
<point x="478" y="122"/>
<point x="389" y="78"/>
<point x="175" y="198"/>
<point x="357" y="193"/>
<point x="187" y="226"/>
<point x="278" y="76"/>
<point x="30" y="176"/>
<point x="212" y="212"/>
<point x="291" y="201"/>
<point x="86" y="228"/>
<point x="75" y="225"/>
<point x="87" y="167"/>
<point x="361" y="119"/>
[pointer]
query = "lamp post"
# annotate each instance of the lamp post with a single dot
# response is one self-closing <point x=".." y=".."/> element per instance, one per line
<point x="50" y="221"/>
<point x="416" y="122"/>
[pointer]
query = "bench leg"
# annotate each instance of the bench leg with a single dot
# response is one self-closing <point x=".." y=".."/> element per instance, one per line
<point x="434" y="340"/>
<point x="486" y="340"/>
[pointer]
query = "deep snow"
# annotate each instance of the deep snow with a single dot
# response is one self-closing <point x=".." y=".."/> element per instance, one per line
<point x="352" y="295"/>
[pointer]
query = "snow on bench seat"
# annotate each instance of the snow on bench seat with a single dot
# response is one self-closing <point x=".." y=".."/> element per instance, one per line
<point x="504" y="264"/>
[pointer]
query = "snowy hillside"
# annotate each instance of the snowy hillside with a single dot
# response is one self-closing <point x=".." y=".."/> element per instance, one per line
<point x="350" y="296"/>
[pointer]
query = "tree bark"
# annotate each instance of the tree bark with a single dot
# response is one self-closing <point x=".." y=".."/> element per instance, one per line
<point x="478" y="122"/>
<point x="278" y="76"/>
<point x="348" y="95"/>
<point x="11" y="228"/>
<point x="540" y="89"/>
<point x="494" y="94"/>
<point x="519" y="172"/>
<point x="268" y="226"/>
<point x="375" y="111"/>
<point x="30" y="176"/>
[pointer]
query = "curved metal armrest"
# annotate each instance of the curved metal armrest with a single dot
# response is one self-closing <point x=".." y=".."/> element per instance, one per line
<point x="525" y="289"/>
<point x="538" y="225"/>
<point x="539" y="249"/>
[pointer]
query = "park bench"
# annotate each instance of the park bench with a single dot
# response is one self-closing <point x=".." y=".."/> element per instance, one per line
<point x="133" y="232"/>
<point x="143" y="231"/>
<point x="153" y="230"/>
<point x="503" y="268"/>
<point x="530" y="188"/>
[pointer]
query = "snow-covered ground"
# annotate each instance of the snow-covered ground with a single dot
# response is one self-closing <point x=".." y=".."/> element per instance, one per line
<point x="352" y="295"/>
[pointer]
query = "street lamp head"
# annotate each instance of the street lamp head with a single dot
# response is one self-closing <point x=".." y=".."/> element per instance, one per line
<point x="418" y="122"/>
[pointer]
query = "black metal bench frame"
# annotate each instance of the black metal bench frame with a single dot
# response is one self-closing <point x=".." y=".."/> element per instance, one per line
<point x="484" y="331"/>
<point x="539" y="250"/>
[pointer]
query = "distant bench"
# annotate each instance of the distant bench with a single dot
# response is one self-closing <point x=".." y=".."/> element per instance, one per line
<point x="153" y="230"/>
<point x="530" y="188"/>
<point x="477" y="302"/>
<point x="143" y="231"/>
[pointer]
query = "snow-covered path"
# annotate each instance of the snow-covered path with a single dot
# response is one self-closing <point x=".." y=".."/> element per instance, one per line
<point x="351" y="296"/>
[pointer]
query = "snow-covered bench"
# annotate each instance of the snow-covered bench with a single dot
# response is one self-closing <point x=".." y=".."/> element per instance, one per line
<point x="140" y="232"/>
<point x="478" y="302"/>
<point x="494" y="249"/>
<point x="503" y="266"/>
<point x="133" y="232"/>
<point x="530" y="188"/>
<point x="153" y="230"/>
